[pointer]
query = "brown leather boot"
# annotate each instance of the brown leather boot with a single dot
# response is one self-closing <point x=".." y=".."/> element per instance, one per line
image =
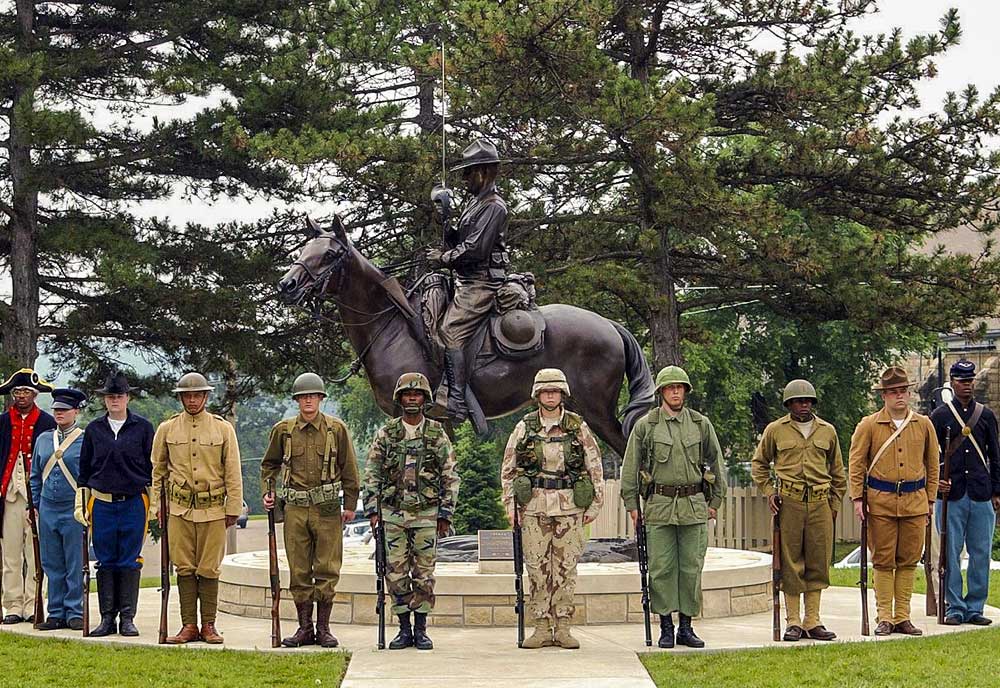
<point x="208" y="599"/>
<point x="187" y="634"/>
<point x="324" y="638"/>
<point x="304" y="635"/>
<point x="210" y="635"/>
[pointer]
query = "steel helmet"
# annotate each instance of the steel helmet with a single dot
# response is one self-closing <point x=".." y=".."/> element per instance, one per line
<point x="799" y="389"/>
<point x="308" y="383"/>
<point x="413" y="381"/>
<point x="672" y="375"/>
<point x="192" y="382"/>
<point x="550" y="378"/>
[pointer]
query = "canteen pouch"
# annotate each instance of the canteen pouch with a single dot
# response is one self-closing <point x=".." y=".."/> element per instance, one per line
<point x="522" y="489"/>
<point x="583" y="492"/>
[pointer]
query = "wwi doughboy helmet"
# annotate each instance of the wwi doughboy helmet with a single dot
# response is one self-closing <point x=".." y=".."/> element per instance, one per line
<point x="799" y="389"/>
<point x="415" y="381"/>
<point x="672" y="375"/>
<point x="549" y="378"/>
<point x="192" y="382"/>
<point x="308" y="383"/>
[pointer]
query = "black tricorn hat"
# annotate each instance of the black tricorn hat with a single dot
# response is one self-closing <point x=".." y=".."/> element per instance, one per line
<point x="479" y="152"/>
<point x="115" y="384"/>
<point x="25" y="377"/>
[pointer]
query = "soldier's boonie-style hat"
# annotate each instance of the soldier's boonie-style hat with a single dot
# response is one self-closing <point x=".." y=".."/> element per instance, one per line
<point x="479" y="152"/>
<point x="25" y="378"/>
<point x="116" y="383"/>
<point x="68" y="398"/>
<point x="893" y="377"/>
<point x="963" y="370"/>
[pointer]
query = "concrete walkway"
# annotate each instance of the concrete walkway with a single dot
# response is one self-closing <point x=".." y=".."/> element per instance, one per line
<point x="480" y="657"/>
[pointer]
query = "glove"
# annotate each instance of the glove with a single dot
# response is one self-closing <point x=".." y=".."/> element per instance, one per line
<point x="80" y="506"/>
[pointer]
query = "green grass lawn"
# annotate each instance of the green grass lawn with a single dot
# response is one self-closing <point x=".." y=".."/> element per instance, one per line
<point x="71" y="664"/>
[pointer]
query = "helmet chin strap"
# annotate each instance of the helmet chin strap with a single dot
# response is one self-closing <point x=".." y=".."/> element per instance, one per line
<point x="413" y="409"/>
<point x="550" y="408"/>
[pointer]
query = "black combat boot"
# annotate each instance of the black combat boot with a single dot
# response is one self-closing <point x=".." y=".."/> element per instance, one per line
<point x="127" y="589"/>
<point x="107" y="600"/>
<point x="685" y="634"/>
<point x="404" y="638"/>
<point x="420" y="638"/>
<point x="324" y="638"/>
<point x="456" y="375"/>
<point x="666" y="640"/>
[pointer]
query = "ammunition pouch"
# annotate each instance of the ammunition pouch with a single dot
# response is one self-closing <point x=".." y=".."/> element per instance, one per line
<point x="800" y="492"/>
<point x="583" y="492"/>
<point x="522" y="489"/>
<point x="317" y="496"/>
<point x="189" y="499"/>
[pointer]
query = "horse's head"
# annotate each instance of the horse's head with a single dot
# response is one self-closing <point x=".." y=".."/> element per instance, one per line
<point x="322" y="258"/>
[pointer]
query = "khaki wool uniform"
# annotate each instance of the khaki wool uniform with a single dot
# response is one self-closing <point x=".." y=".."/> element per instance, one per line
<point x="896" y="522"/>
<point x="679" y="451"/>
<point x="811" y="482"/>
<point x="414" y="466"/>
<point x="199" y="457"/>
<point x="320" y="457"/>
<point x="552" y="525"/>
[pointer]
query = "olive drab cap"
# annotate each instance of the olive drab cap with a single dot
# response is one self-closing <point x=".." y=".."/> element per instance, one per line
<point x="308" y="383"/>
<point x="550" y="378"/>
<point x="799" y="389"/>
<point x="192" y="382"/>
<point x="415" y="381"/>
<point x="672" y="375"/>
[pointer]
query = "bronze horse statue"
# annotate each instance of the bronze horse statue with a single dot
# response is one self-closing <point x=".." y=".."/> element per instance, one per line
<point x="596" y="354"/>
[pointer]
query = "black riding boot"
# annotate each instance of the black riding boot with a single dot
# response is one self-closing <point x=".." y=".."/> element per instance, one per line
<point x="127" y="589"/>
<point x="685" y="634"/>
<point x="457" y="377"/>
<point x="405" y="636"/>
<point x="107" y="600"/>
<point x="420" y="638"/>
<point x="666" y="640"/>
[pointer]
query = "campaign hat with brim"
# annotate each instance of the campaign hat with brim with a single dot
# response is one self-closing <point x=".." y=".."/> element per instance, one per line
<point x="893" y="377"/>
<point x="68" y="398"/>
<point x="25" y="378"/>
<point x="478" y="153"/>
<point x="115" y="384"/>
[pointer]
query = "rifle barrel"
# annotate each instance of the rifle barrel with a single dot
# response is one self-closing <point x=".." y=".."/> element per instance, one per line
<point x="86" y="581"/>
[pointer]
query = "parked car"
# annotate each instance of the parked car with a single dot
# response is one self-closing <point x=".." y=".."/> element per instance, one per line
<point x="853" y="561"/>
<point x="244" y="516"/>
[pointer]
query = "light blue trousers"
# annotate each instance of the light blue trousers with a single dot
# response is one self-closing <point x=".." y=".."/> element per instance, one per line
<point x="970" y="525"/>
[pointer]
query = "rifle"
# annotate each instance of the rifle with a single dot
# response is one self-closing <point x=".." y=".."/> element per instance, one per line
<point x="641" y="545"/>
<point x="943" y="525"/>
<point x="86" y="580"/>
<point x="164" y="564"/>
<point x="863" y="581"/>
<point x="37" y="555"/>
<point x="930" y="600"/>
<point x="776" y="578"/>
<point x="518" y="580"/>
<point x="380" y="569"/>
<point x="272" y="571"/>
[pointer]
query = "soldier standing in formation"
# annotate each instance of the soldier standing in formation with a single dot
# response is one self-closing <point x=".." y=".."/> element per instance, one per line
<point x="804" y="453"/>
<point x="411" y="465"/>
<point x="55" y="468"/>
<point x="894" y="455"/>
<point x="196" y="458"/>
<point x="115" y="477"/>
<point x="973" y="494"/>
<point x="315" y="457"/>
<point x="552" y="473"/>
<point x="20" y="428"/>
<point x="673" y="461"/>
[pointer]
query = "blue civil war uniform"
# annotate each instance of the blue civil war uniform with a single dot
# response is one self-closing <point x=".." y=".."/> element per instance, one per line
<point x="60" y="536"/>
<point x="971" y="517"/>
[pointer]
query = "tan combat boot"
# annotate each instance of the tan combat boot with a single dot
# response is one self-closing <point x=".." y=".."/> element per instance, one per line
<point x="542" y="637"/>
<point x="187" y="587"/>
<point x="562" y="637"/>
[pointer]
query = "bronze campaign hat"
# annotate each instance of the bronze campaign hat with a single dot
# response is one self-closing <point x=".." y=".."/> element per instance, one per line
<point x="479" y="152"/>
<point x="894" y="376"/>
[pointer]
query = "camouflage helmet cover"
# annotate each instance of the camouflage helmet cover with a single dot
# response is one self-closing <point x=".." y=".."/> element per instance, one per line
<point x="672" y="375"/>
<point x="550" y="378"/>
<point x="192" y="382"/>
<point x="799" y="389"/>
<point x="308" y="383"/>
<point x="417" y="381"/>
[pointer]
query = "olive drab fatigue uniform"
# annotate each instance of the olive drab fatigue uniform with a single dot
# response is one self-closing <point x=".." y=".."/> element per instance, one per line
<point x="414" y="467"/>
<point x="553" y="454"/>
<point x="901" y="485"/>
<point x="316" y="461"/>
<point x="198" y="457"/>
<point x="679" y="459"/>
<point x="810" y="478"/>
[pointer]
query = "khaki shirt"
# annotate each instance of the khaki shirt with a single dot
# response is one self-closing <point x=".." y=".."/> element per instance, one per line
<point x="911" y="456"/>
<point x="308" y="453"/>
<point x="815" y="461"/>
<point x="554" y="502"/>
<point x="201" y="454"/>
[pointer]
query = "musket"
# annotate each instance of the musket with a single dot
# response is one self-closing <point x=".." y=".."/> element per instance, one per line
<point x="776" y="577"/>
<point x="37" y="555"/>
<point x="86" y="579"/>
<point x="943" y="525"/>
<point x="164" y="564"/>
<point x="380" y="569"/>
<point x="275" y="581"/>
<point x="863" y="581"/>
<point x="518" y="577"/>
<point x="641" y="545"/>
<point x="930" y="600"/>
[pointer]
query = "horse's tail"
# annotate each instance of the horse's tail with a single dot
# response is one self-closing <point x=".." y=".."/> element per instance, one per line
<point x="640" y="380"/>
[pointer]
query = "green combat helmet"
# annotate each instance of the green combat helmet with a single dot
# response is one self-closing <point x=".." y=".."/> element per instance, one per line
<point x="412" y="381"/>
<point x="799" y="389"/>
<point x="672" y="375"/>
<point x="192" y="382"/>
<point x="308" y="383"/>
<point x="549" y="378"/>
